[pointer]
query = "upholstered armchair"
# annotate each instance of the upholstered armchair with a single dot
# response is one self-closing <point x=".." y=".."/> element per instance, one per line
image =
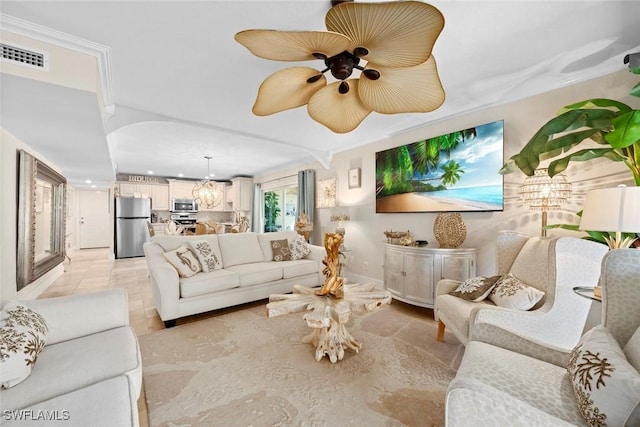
<point x="531" y="384"/>
<point x="553" y="265"/>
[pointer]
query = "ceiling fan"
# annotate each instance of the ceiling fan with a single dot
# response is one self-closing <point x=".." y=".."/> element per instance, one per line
<point x="395" y="39"/>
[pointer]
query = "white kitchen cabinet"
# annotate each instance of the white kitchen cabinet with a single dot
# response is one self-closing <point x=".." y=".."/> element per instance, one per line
<point x="160" y="197"/>
<point x="242" y="194"/>
<point x="181" y="189"/>
<point x="411" y="273"/>
<point x="128" y="189"/>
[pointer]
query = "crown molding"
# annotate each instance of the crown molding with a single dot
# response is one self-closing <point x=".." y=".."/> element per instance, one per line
<point x="102" y="53"/>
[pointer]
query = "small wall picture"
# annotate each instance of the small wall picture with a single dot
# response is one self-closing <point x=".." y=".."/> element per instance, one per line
<point x="354" y="178"/>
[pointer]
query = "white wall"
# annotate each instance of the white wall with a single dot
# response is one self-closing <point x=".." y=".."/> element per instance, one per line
<point x="9" y="145"/>
<point x="364" y="233"/>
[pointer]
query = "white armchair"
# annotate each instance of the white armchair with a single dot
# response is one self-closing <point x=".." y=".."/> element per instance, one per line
<point x="553" y="265"/>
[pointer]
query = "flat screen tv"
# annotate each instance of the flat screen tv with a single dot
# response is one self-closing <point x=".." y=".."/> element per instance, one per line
<point x="456" y="172"/>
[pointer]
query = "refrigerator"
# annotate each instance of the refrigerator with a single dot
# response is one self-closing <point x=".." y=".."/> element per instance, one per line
<point x="132" y="215"/>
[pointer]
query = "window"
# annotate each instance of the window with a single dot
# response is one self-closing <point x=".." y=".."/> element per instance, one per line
<point x="279" y="205"/>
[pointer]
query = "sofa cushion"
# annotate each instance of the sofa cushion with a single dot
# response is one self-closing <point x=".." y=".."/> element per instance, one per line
<point x="265" y="242"/>
<point x="298" y="268"/>
<point x="105" y="404"/>
<point x="475" y="289"/>
<point x="184" y="261"/>
<point x="458" y="311"/>
<point x="23" y="333"/>
<point x="280" y="250"/>
<point x="299" y="248"/>
<point x="74" y="364"/>
<point x="541" y="385"/>
<point x="606" y="386"/>
<point x="258" y="272"/>
<point x="206" y="283"/>
<point x="632" y="350"/>
<point x="239" y="248"/>
<point x="208" y="254"/>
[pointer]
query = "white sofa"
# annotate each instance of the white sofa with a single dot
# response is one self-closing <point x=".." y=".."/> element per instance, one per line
<point x="248" y="273"/>
<point x="89" y="372"/>
<point x="529" y="384"/>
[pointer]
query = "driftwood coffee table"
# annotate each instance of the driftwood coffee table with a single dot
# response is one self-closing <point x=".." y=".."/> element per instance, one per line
<point x="327" y="315"/>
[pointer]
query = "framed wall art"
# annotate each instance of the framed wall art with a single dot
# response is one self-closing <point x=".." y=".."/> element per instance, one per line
<point x="354" y="178"/>
<point x="327" y="194"/>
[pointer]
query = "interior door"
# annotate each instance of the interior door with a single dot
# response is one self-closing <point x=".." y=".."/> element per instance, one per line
<point x="94" y="220"/>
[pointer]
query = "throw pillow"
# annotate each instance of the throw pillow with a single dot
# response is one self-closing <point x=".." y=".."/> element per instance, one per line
<point x="475" y="289"/>
<point x="632" y="350"/>
<point x="208" y="256"/>
<point x="280" y="249"/>
<point x="510" y="292"/>
<point x="184" y="261"/>
<point x="23" y="333"/>
<point x="299" y="248"/>
<point x="606" y="386"/>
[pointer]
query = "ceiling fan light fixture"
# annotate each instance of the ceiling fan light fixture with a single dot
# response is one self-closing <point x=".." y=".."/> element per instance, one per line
<point x="341" y="113"/>
<point x="287" y="89"/>
<point x="395" y="38"/>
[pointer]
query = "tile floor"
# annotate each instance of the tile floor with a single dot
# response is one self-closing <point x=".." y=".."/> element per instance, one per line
<point x="91" y="270"/>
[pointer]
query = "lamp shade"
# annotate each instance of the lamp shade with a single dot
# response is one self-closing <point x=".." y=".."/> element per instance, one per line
<point x="612" y="209"/>
<point x="543" y="193"/>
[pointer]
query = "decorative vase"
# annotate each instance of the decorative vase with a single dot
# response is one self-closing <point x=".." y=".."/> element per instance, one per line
<point x="449" y="230"/>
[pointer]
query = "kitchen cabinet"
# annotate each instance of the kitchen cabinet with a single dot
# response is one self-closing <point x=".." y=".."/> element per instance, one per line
<point x="411" y="273"/>
<point x="242" y="190"/>
<point x="181" y="189"/>
<point x="128" y="189"/>
<point x="160" y="197"/>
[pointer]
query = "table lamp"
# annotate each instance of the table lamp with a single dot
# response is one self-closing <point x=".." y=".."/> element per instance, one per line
<point x="613" y="210"/>
<point x="543" y="193"/>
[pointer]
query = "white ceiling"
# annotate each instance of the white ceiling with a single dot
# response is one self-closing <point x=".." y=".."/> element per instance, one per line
<point x="183" y="88"/>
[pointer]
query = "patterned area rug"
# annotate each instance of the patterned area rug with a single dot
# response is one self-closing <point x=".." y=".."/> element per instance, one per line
<point x="243" y="369"/>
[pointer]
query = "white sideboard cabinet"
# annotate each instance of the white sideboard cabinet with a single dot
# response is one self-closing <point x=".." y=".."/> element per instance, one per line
<point x="411" y="273"/>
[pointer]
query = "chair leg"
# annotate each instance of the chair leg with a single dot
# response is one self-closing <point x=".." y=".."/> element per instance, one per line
<point x="441" y="327"/>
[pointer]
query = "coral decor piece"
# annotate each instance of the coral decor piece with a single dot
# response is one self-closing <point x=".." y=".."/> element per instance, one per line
<point x="332" y="283"/>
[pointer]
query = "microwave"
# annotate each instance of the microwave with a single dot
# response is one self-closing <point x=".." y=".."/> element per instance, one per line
<point x="184" y="205"/>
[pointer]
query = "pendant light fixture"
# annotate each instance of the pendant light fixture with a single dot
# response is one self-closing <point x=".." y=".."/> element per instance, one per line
<point x="208" y="193"/>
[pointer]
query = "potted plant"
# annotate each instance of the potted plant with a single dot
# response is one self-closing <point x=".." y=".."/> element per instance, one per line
<point x="612" y="125"/>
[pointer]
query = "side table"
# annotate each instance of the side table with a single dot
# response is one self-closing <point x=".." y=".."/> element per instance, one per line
<point x="587" y="292"/>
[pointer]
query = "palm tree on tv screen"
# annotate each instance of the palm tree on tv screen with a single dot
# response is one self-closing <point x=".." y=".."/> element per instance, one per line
<point x="398" y="169"/>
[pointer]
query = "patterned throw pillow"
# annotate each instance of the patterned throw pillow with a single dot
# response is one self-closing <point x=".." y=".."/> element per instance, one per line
<point x="510" y="292"/>
<point x="606" y="386"/>
<point x="299" y="248"/>
<point x="184" y="261"/>
<point x="208" y="256"/>
<point x="475" y="289"/>
<point x="280" y="249"/>
<point x="23" y="334"/>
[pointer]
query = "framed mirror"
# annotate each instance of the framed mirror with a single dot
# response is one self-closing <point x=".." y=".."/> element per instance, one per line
<point x="41" y="219"/>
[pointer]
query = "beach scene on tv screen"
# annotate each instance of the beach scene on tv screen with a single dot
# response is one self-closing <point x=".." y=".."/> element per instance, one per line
<point x="455" y="172"/>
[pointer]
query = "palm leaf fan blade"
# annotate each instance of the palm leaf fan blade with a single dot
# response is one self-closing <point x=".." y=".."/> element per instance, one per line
<point x="404" y="90"/>
<point x="341" y="113"/>
<point x="287" y="89"/>
<point x="292" y="45"/>
<point x="396" y="34"/>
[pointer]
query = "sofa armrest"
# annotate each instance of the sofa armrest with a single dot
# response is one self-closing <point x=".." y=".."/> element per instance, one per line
<point x="506" y="339"/>
<point x="79" y="315"/>
<point x="317" y="253"/>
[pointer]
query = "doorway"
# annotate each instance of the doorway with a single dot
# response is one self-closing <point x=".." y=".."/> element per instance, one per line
<point x="94" y="219"/>
<point x="280" y="208"/>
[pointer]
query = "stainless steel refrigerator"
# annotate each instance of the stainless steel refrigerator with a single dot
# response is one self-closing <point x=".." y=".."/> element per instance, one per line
<point x="132" y="215"/>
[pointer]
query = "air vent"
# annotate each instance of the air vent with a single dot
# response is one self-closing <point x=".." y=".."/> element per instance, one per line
<point x="31" y="58"/>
